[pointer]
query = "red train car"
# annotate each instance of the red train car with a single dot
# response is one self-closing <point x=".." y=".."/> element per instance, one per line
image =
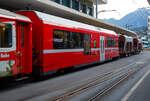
<point x="15" y="44"/>
<point x="125" y="45"/>
<point x="60" y="43"/>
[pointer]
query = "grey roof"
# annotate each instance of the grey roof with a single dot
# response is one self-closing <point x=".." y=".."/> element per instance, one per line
<point x="11" y="15"/>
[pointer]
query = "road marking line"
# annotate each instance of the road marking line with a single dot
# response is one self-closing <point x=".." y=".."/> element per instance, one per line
<point x="125" y="98"/>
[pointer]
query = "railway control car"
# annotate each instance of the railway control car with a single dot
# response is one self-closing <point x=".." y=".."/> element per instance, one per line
<point x="36" y="43"/>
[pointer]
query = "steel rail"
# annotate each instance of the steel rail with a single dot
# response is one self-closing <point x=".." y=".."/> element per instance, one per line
<point x="98" y="80"/>
<point x="114" y="84"/>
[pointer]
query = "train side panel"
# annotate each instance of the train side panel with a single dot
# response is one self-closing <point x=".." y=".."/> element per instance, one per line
<point x="112" y="50"/>
<point x="58" y="57"/>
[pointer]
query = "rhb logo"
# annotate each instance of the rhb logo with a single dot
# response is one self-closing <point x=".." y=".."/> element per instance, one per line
<point x="4" y="55"/>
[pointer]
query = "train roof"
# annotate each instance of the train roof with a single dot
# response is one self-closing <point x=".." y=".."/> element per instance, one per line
<point x="55" y="20"/>
<point x="11" y="15"/>
<point x="127" y="38"/>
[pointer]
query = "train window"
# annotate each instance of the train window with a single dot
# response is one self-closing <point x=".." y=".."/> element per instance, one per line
<point x="22" y="35"/>
<point x="87" y="44"/>
<point x="67" y="40"/>
<point x="5" y="35"/>
<point x="113" y="42"/>
<point x="21" y="30"/>
<point x="60" y="39"/>
<point x="94" y="43"/>
<point x="76" y="40"/>
<point x="109" y="42"/>
<point x="121" y="44"/>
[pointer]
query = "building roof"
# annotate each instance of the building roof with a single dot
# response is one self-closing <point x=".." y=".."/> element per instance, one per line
<point x="53" y="8"/>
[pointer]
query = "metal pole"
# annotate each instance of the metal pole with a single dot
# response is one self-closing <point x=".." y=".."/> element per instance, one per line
<point x="96" y="8"/>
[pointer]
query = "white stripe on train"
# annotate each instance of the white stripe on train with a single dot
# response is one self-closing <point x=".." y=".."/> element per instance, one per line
<point x="71" y="50"/>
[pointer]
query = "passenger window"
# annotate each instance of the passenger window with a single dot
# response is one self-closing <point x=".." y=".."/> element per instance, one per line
<point x="87" y="44"/>
<point x="109" y="42"/>
<point x="60" y="39"/>
<point x="94" y="43"/>
<point x="22" y="34"/>
<point x="76" y="40"/>
<point x="67" y="40"/>
<point x="5" y="35"/>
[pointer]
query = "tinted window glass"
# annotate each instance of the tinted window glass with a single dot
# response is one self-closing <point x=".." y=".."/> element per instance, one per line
<point x="87" y="44"/>
<point x="94" y="43"/>
<point x="67" y="40"/>
<point x="5" y="35"/>
<point x="60" y="39"/>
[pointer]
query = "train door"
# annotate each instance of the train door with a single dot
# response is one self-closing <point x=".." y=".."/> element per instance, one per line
<point x="102" y="49"/>
<point x="21" y="28"/>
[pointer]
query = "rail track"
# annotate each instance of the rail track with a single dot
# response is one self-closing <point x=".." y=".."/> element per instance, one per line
<point x="115" y="83"/>
<point x="101" y="79"/>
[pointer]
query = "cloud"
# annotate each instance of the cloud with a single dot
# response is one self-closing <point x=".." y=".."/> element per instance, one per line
<point x="122" y="7"/>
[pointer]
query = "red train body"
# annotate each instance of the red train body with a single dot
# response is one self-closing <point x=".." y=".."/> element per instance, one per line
<point x="46" y="43"/>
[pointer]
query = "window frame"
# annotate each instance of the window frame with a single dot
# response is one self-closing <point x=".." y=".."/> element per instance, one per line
<point x="13" y="47"/>
<point x="89" y="40"/>
<point x="71" y="40"/>
<point x="54" y="38"/>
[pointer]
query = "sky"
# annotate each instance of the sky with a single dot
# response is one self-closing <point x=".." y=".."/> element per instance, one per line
<point x="121" y="7"/>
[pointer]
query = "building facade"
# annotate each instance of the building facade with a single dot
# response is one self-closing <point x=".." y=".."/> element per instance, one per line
<point x="148" y="31"/>
<point x="84" y="6"/>
<point x="145" y="35"/>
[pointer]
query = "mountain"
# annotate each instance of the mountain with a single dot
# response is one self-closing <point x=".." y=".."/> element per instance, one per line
<point x="133" y="21"/>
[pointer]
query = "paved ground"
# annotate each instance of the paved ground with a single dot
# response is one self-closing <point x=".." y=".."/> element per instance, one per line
<point x="50" y="88"/>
